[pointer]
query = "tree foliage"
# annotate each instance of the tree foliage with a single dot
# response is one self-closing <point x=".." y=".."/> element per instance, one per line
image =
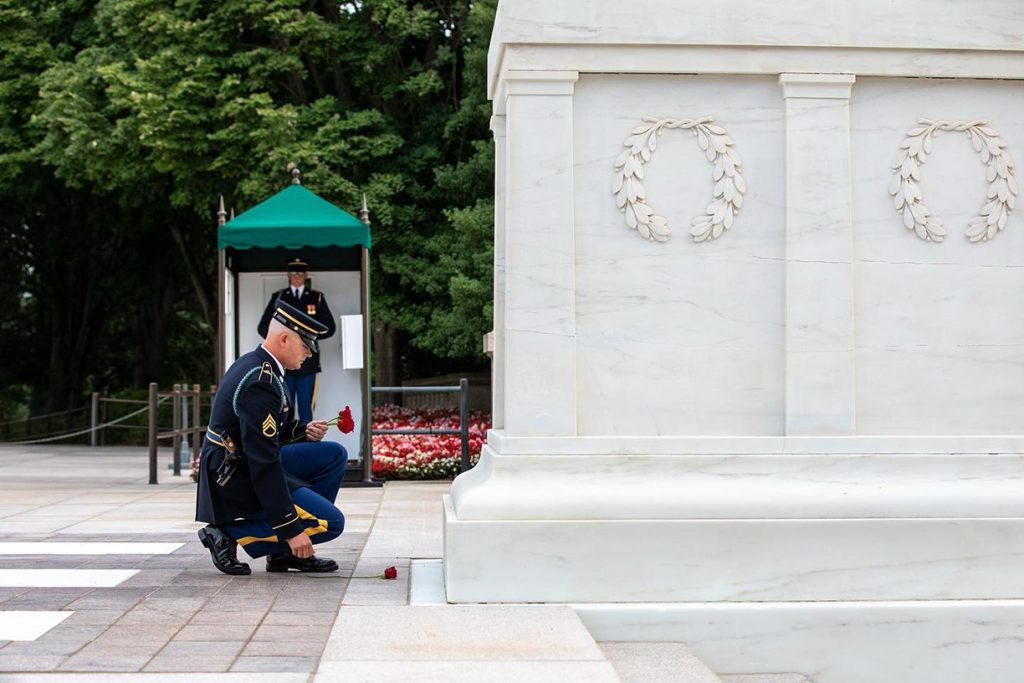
<point x="121" y="121"/>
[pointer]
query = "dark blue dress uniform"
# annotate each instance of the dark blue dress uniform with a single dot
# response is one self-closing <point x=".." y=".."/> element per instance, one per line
<point x="284" y="485"/>
<point x="301" y="383"/>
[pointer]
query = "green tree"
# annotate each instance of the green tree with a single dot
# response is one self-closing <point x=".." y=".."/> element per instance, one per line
<point x="125" y="119"/>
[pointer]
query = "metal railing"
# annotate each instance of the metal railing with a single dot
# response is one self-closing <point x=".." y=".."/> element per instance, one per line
<point x="41" y="427"/>
<point x="462" y="388"/>
<point x="182" y="427"/>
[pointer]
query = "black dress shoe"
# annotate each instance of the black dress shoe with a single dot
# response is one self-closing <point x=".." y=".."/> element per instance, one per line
<point x="282" y="563"/>
<point x="222" y="550"/>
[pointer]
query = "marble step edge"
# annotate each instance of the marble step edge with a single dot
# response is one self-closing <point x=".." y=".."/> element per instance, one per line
<point x="627" y="445"/>
<point x="740" y="487"/>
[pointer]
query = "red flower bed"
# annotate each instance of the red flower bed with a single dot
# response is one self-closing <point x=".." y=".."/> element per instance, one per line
<point x="423" y="456"/>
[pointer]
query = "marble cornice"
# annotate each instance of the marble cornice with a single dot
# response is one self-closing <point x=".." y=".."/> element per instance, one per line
<point x="756" y="60"/>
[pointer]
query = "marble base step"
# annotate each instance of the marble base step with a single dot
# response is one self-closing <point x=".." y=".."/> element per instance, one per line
<point x="950" y="641"/>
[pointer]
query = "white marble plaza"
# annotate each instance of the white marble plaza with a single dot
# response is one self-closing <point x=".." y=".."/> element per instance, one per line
<point x="757" y="339"/>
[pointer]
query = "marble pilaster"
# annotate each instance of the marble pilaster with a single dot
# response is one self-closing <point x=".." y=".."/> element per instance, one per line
<point x="539" y="297"/>
<point x="498" y="358"/>
<point x="820" y="365"/>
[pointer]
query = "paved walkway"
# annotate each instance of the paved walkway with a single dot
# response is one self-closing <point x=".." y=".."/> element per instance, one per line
<point x="173" y="612"/>
<point x="102" y="579"/>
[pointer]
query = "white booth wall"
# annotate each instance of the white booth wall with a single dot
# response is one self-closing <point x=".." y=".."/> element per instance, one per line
<point x="336" y="386"/>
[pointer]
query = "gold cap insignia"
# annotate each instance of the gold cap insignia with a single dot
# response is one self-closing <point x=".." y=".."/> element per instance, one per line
<point x="270" y="427"/>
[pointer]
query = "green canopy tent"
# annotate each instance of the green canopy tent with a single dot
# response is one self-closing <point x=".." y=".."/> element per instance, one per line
<point x="294" y="218"/>
<point x="264" y="237"/>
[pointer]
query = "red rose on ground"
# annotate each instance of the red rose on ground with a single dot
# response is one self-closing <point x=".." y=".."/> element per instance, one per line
<point x="390" y="573"/>
<point x="345" y="422"/>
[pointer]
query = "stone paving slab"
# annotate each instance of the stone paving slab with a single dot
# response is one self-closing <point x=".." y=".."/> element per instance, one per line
<point x="460" y="633"/>
<point x="764" y="678"/>
<point x="291" y="664"/>
<point x="205" y="656"/>
<point x="657" y="663"/>
<point x="466" y="672"/>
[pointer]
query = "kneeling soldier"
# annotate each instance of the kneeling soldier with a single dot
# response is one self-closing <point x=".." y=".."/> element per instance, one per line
<point x="276" y="495"/>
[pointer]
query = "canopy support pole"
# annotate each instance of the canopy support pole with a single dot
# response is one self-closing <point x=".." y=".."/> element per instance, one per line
<point x="364" y="291"/>
<point x="221" y="337"/>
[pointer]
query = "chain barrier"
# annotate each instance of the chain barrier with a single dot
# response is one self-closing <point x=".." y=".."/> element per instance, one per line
<point x="86" y="430"/>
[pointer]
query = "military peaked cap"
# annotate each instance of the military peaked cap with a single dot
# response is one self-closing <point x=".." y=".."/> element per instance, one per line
<point x="294" y="319"/>
<point x="298" y="265"/>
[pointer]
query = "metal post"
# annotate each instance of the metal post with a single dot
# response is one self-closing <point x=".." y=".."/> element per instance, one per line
<point x="464" y="422"/>
<point x="185" y="426"/>
<point x="152" y="432"/>
<point x="367" y="397"/>
<point x="218" y="364"/>
<point x="176" y="439"/>
<point x="94" y="418"/>
<point x="197" y="434"/>
<point x="221" y="315"/>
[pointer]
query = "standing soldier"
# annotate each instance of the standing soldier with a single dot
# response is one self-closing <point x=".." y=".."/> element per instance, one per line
<point x="275" y="495"/>
<point x="301" y="382"/>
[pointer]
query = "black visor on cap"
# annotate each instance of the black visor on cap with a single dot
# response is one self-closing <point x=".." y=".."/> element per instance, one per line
<point x="307" y="328"/>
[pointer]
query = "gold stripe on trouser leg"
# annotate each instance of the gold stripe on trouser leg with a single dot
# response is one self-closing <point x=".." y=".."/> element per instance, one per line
<point x="310" y="531"/>
<point x="246" y="540"/>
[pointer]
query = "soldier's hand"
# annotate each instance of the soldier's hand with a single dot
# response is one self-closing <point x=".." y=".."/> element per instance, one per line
<point x="301" y="546"/>
<point x="229" y="445"/>
<point x="316" y="430"/>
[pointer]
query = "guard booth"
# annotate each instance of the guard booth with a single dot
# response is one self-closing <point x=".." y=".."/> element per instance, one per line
<point x="254" y="249"/>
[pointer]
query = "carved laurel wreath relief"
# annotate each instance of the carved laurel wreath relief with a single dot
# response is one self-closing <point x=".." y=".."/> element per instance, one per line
<point x="905" y="186"/>
<point x="631" y="197"/>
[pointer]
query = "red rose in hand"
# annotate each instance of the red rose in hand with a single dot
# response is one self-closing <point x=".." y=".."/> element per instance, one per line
<point x="390" y="573"/>
<point x="345" y="422"/>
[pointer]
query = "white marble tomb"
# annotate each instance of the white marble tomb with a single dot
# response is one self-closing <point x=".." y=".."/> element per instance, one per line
<point x="792" y="393"/>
